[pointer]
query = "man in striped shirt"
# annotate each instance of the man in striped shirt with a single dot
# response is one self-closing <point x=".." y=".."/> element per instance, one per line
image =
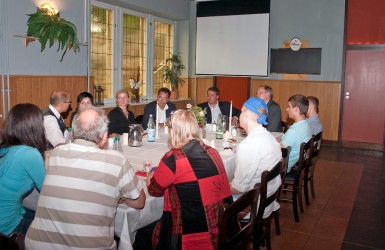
<point x="82" y="188"/>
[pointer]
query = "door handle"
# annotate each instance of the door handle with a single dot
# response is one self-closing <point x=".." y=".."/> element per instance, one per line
<point x="347" y="95"/>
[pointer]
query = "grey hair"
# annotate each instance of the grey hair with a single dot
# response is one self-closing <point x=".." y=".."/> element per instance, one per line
<point x="90" y="124"/>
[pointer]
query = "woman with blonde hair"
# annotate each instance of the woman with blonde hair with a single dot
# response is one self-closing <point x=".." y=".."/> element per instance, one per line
<point x="193" y="181"/>
<point x="120" y="117"/>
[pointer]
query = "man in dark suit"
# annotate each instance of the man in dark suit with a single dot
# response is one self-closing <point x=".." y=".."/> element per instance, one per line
<point x="214" y="107"/>
<point x="274" y="117"/>
<point x="165" y="107"/>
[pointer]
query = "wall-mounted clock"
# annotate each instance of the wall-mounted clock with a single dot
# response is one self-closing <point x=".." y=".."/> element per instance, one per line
<point x="295" y="44"/>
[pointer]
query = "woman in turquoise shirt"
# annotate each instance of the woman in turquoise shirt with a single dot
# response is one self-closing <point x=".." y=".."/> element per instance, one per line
<point x="21" y="165"/>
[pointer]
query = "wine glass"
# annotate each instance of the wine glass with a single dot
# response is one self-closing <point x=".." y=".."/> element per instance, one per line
<point x="147" y="165"/>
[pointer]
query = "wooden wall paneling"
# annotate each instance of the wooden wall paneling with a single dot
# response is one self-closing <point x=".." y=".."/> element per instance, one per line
<point x="184" y="89"/>
<point x="37" y="89"/>
<point x="202" y="84"/>
<point x="328" y="94"/>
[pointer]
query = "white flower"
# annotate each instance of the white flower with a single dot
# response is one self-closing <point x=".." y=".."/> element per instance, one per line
<point x="134" y="85"/>
<point x="189" y="106"/>
<point x="202" y="113"/>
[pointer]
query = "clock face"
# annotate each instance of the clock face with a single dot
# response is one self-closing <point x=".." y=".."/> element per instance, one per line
<point x="295" y="44"/>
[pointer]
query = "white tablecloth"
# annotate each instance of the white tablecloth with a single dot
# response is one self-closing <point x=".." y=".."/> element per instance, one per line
<point x="128" y="220"/>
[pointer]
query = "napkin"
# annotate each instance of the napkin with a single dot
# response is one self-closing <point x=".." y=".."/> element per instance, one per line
<point x="227" y="136"/>
<point x="209" y="143"/>
<point x="141" y="173"/>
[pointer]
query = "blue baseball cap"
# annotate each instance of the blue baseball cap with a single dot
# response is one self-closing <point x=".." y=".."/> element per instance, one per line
<point x="253" y="103"/>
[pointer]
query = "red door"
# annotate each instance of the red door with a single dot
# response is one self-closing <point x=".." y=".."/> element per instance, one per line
<point x="364" y="102"/>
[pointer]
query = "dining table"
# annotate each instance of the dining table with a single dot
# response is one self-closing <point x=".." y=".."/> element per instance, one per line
<point x="129" y="220"/>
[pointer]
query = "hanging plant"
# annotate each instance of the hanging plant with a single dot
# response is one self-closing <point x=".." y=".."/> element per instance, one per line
<point x="49" y="27"/>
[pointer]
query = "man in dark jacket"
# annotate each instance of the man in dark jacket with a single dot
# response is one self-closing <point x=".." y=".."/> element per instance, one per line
<point x="165" y="107"/>
<point x="274" y="118"/>
<point x="214" y="107"/>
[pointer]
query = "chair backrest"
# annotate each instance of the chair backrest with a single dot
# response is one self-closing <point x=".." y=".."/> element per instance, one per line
<point x="13" y="242"/>
<point x="285" y="161"/>
<point x="230" y="234"/>
<point x="305" y="158"/>
<point x="266" y="177"/>
<point x="317" y="144"/>
<point x="139" y="119"/>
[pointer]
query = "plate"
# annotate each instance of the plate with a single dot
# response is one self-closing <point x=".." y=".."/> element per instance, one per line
<point x="227" y="152"/>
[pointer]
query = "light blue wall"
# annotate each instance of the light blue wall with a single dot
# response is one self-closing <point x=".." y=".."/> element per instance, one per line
<point x="29" y="60"/>
<point x="319" y="22"/>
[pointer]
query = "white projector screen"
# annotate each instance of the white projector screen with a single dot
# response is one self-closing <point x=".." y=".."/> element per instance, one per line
<point x="235" y="42"/>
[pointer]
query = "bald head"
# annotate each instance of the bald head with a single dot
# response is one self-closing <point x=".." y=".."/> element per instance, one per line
<point x="90" y="124"/>
<point x="60" y="100"/>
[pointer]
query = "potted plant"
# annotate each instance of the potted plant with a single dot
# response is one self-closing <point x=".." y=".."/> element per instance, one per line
<point x="49" y="27"/>
<point x="172" y="73"/>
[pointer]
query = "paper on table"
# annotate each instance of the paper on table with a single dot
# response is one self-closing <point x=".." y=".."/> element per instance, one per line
<point x="209" y="143"/>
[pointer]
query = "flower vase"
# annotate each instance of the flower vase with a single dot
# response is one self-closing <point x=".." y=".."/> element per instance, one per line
<point x="135" y="98"/>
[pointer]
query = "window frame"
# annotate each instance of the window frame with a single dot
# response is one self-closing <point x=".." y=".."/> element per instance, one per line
<point x="117" y="47"/>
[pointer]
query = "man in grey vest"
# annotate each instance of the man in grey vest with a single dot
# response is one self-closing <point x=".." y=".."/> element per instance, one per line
<point x="55" y="129"/>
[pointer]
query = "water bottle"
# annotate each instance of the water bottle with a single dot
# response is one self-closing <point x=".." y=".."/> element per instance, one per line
<point x="220" y="128"/>
<point x="118" y="145"/>
<point x="151" y="129"/>
<point x="69" y="136"/>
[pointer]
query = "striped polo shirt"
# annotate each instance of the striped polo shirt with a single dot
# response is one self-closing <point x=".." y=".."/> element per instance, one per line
<point x="77" y="204"/>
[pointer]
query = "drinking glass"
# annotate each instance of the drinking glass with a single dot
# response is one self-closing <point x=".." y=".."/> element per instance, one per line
<point x="147" y="165"/>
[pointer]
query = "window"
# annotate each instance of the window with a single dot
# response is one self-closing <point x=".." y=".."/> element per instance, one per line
<point x="163" y="48"/>
<point x="101" y="48"/>
<point x="125" y="45"/>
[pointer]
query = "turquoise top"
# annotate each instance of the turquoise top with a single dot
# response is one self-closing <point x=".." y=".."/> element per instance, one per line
<point x="21" y="168"/>
<point x="298" y="132"/>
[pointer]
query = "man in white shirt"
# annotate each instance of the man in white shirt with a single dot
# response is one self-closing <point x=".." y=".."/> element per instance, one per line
<point x="55" y="129"/>
<point x="214" y="107"/>
<point x="260" y="151"/>
<point x="164" y="106"/>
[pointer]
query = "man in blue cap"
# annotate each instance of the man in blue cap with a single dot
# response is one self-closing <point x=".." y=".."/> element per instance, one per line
<point x="260" y="151"/>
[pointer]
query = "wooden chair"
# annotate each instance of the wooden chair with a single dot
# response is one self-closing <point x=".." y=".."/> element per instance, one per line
<point x="293" y="181"/>
<point x="261" y="234"/>
<point x="12" y="242"/>
<point x="285" y="161"/>
<point x="309" y="175"/>
<point x="139" y="119"/>
<point x="231" y="235"/>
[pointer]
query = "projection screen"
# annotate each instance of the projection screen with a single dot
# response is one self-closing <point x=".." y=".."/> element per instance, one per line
<point x="232" y="38"/>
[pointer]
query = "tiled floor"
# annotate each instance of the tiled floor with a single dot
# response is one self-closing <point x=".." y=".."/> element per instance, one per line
<point x="349" y="209"/>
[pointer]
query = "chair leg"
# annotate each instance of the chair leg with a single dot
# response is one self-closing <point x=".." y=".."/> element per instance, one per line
<point x="295" y="206"/>
<point x="257" y="232"/>
<point x="306" y="190"/>
<point x="267" y="232"/>
<point x="312" y="187"/>
<point x="299" y="196"/>
<point x="276" y="220"/>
